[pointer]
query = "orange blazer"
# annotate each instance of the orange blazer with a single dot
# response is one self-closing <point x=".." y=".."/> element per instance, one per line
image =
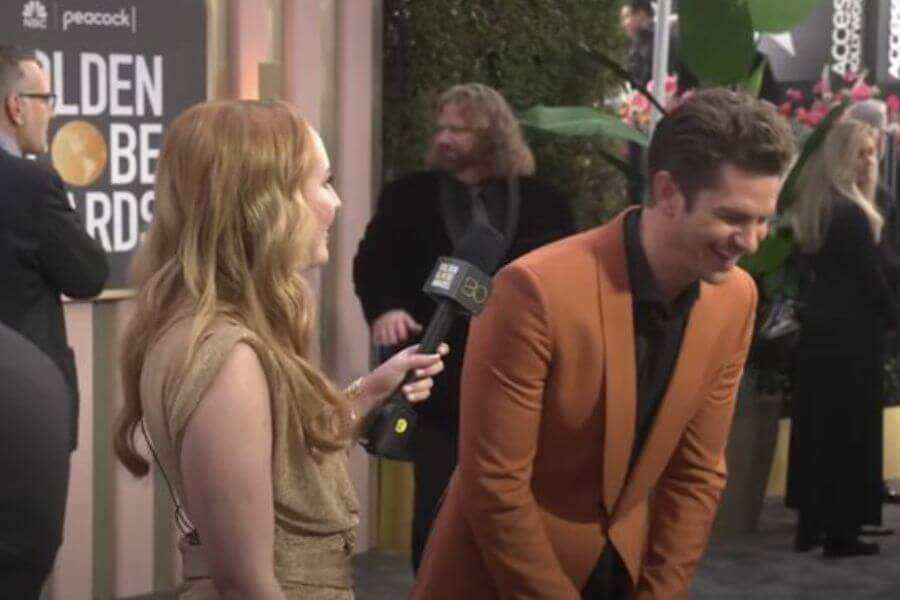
<point x="547" y="423"/>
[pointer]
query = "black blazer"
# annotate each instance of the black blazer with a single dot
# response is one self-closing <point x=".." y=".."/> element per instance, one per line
<point x="44" y="252"/>
<point x="34" y="464"/>
<point x="404" y="239"/>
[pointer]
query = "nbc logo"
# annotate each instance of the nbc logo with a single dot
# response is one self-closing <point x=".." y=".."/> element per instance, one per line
<point x="34" y="15"/>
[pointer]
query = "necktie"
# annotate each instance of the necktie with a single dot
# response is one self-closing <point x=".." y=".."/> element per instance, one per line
<point x="479" y="210"/>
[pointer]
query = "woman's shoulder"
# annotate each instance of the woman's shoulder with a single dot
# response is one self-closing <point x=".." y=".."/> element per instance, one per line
<point x="176" y="337"/>
<point x="183" y="362"/>
<point x="182" y="355"/>
<point x="845" y="211"/>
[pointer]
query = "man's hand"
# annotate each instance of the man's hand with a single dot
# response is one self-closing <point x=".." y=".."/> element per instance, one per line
<point x="394" y="327"/>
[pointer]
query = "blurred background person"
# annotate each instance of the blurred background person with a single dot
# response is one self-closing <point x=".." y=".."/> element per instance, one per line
<point x="480" y="168"/>
<point x="836" y="426"/>
<point x="34" y="465"/>
<point x="637" y="23"/>
<point x="44" y="249"/>
<point x="251" y="435"/>
<point x="874" y="113"/>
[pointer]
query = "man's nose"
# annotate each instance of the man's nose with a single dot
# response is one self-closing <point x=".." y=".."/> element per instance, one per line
<point x="749" y="238"/>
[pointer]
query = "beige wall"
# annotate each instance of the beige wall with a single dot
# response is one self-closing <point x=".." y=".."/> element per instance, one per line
<point x="119" y="536"/>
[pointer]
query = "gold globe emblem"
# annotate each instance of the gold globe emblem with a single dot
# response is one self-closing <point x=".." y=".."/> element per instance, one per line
<point x="79" y="153"/>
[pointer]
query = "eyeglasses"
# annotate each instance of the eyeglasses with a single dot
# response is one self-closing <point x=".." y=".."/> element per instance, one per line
<point x="49" y="98"/>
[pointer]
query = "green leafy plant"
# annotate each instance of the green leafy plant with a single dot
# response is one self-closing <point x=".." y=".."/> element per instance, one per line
<point x="716" y="39"/>
<point x="581" y="121"/>
<point x="535" y="54"/>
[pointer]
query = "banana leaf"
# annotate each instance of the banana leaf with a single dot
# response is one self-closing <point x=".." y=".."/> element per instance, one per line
<point x="775" y="16"/>
<point x="717" y="39"/>
<point x="753" y="83"/>
<point x="580" y="121"/>
<point x="772" y="253"/>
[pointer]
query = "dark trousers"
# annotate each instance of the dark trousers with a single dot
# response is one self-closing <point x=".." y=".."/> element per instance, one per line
<point x="609" y="580"/>
<point x="434" y="458"/>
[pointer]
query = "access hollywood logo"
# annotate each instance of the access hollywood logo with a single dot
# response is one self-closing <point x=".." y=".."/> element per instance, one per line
<point x="34" y="15"/>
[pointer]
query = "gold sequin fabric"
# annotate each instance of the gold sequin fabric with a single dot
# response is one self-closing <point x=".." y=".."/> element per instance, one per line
<point x="316" y="509"/>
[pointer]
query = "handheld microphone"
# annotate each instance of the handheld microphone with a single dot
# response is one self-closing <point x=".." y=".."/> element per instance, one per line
<point x="461" y="285"/>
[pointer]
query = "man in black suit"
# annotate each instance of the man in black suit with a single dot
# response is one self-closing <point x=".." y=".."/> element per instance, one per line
<point x="44" y="249"/>
<point x="480" y="170"/>
<point x="34" y="465"/>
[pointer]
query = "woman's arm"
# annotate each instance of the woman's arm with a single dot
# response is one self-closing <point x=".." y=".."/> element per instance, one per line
<point x="226" y="466"/>
<point x="368" y="392"/>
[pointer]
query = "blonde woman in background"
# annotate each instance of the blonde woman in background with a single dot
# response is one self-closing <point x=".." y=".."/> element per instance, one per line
<point x="251" y="435"/>
<point x="834" y="472"/>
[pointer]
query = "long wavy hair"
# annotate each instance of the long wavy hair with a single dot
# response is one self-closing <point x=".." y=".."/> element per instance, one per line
<point x="230" y="235"/>
<point x="500" y="137"/>
<point x="829" y="175"/>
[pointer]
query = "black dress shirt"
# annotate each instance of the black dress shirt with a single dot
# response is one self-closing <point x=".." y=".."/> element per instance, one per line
<point x="658" y="332"/>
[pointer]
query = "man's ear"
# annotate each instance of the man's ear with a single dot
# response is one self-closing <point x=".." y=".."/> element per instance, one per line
<point x="666" y="194"/>
<point x="12" y="109"/>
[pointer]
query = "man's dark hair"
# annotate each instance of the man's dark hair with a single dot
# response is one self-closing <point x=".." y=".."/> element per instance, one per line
<point x="11" y="58"/>
<point x="644" y="6"/>
<point x="715" y="127"/>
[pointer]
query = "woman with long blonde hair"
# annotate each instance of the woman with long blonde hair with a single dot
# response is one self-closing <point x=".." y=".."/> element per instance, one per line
<point x="834" y="472"/>
<point x="216" y="370"/>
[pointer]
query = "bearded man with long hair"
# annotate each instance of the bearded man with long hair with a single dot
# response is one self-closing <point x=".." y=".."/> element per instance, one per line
<point x="479" y="169"/>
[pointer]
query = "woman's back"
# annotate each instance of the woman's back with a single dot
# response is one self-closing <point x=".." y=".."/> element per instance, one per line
<point x="843" y="287"/>
<point x="315" y="508"/>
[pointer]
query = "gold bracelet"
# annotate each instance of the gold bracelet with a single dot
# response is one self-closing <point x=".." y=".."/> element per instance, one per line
<point x="352" y="392"/>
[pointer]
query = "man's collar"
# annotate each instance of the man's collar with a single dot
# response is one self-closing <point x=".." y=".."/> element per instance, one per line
<point x="643" y="284"/>
<point x="9" y="145"/>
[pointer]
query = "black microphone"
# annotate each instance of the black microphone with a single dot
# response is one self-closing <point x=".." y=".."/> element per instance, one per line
<point x="461" y="285"/>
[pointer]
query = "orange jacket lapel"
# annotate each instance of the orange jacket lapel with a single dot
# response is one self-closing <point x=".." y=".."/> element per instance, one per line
<point x="620" y="383"/>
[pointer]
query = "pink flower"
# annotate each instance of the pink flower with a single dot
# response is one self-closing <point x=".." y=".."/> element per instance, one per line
<point x="671" y="84"/>
<point x="785" y="108"/>
<point x="821" y="87"/>
<point x="640" y="102"/>
<point x="893" y="103"/>
<point x="794" y="95"/>
<point x="861" y="91"/>
<point x="850" y="76"/>
<point x="816" y="114"/>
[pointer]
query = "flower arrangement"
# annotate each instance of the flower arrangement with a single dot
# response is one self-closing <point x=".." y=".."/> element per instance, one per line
<point x="634" y="107"/>
<point x="827" y="93"/>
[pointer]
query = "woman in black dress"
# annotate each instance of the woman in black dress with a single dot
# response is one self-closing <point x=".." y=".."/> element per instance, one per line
<point x="834" y="470"/>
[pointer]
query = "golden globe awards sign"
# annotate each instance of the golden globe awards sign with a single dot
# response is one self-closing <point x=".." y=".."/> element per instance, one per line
<point x="121" y="70"/>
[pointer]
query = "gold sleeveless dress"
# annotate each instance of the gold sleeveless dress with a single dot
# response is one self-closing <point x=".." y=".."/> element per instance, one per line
<point x="316" y="509"/>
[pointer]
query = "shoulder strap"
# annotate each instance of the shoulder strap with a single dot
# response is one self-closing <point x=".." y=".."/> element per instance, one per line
<point x="181" y="520"/>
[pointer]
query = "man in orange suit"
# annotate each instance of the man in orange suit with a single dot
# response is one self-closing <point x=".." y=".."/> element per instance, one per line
<point x="600" y="381"/>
